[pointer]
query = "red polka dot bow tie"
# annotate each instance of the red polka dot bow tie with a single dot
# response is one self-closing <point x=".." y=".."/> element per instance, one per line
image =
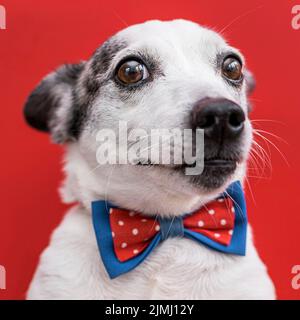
<point x="125" y="238"/>
<point x="132" y="232"/>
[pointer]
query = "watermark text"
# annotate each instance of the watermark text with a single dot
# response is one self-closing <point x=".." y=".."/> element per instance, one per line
<point x="2" y="278"/>
<point x="296" y="17"/>
<point x="152" y="147"/>
<point x="2" y="18"/>
<point x="296" y="277"/>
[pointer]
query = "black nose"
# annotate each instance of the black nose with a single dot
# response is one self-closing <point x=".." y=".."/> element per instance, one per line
<point x="219" y="118"/>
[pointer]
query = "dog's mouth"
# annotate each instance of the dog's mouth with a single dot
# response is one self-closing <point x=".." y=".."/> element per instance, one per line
<point x="211" y="162"/>
<point x="218" y="162"/>
<point x="216" y="171"/>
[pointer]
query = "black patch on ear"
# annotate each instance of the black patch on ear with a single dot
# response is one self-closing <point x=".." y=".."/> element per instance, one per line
<point x="39" y="107"/>
<point x="43" y="101"/>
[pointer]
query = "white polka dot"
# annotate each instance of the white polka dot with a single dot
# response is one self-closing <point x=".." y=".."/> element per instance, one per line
<point x="113" y="234"/>
<point x="131" y="213"/>
<point x="157" y="228"/>
<point x="123" y="245"/>
<point x="217" y="235"/>
<point x="144" y="220"/>
<point x="221" y="200"/>
<point x="135" y="231"/>
<point x="232" y="210"/>
<point x="200" y="223"/>
<point x="135" y="251"/>
<point x="211" y="211"/>
<point x="121" y="223"/>
<point x="223" y="222"/>
<point x="230" y="232"/>
<point x="110" y="210"/>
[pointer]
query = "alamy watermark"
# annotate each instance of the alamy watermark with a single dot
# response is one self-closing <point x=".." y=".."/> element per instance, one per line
<point x="152" y="147"/>
<point x="296" y="17"/>
<point x="2" y="278"/>
<point x="2" y="18"/>
<point x="296" y="277"/>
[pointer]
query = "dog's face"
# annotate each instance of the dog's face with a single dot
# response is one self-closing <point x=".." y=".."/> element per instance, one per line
<point x="156" y="75"/>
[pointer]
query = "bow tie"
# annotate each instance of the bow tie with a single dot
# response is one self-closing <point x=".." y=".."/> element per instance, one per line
<point x="125" y="238"/>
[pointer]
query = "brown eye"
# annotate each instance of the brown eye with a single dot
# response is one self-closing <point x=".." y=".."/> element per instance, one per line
<point x="232" y="69"/>
<point x="132" y="72"/>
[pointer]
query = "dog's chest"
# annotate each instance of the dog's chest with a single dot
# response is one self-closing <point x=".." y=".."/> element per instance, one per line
<point x="177" y="268"/>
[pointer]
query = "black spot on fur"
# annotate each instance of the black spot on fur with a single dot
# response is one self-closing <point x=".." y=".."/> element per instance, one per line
<point x="78" y="117"/>
<point x="92" y="86"/>
<point x="103" y="56"/>
<point x="101" y="61"/>
<point x="81" y="105"/>
<point x="69" y="73"/>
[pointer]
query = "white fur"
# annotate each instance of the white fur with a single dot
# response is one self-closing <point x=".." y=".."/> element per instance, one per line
<point x="71" y="268"/>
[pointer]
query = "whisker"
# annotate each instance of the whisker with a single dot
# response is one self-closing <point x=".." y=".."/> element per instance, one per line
<point x="250" y="189"/>
<point x="268" y="120"/>
<point x="107" y="185"/>
<point x="256" y="163"/>
<point x="120" y="18"/>
<point x="263" y="156"/>
<point x="273" y="135"/>
<point x="239" y="18"/>
<point x="172" y="221"/>
<point x="240" y="209"/>
<point x="258" y="177"/>
<point x="274" y="145"/>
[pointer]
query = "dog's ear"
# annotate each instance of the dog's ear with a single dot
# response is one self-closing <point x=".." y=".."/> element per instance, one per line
<point x="250" y="81"/>
<point x="49" y="107"/>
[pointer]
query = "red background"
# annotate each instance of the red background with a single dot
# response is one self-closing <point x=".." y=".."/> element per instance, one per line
<point x="41" y="35"/>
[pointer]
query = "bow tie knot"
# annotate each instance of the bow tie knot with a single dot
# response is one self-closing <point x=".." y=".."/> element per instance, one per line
<point x="170" y="228"/>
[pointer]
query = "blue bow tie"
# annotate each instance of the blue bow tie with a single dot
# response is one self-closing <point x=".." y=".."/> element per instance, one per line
<point x="168" y="228"/>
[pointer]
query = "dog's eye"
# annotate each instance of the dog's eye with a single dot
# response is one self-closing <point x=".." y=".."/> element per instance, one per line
<point x="232" y="69"/>
<point x="132" y="72"/>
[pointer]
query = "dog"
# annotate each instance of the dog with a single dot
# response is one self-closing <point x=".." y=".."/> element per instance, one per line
<point x="171" y="74"/>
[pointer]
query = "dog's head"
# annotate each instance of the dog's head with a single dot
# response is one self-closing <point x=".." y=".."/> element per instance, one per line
<point x="155" y="75"/>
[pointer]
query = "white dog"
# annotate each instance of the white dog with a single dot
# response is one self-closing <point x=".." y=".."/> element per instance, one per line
<point x="157" y="74"/>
